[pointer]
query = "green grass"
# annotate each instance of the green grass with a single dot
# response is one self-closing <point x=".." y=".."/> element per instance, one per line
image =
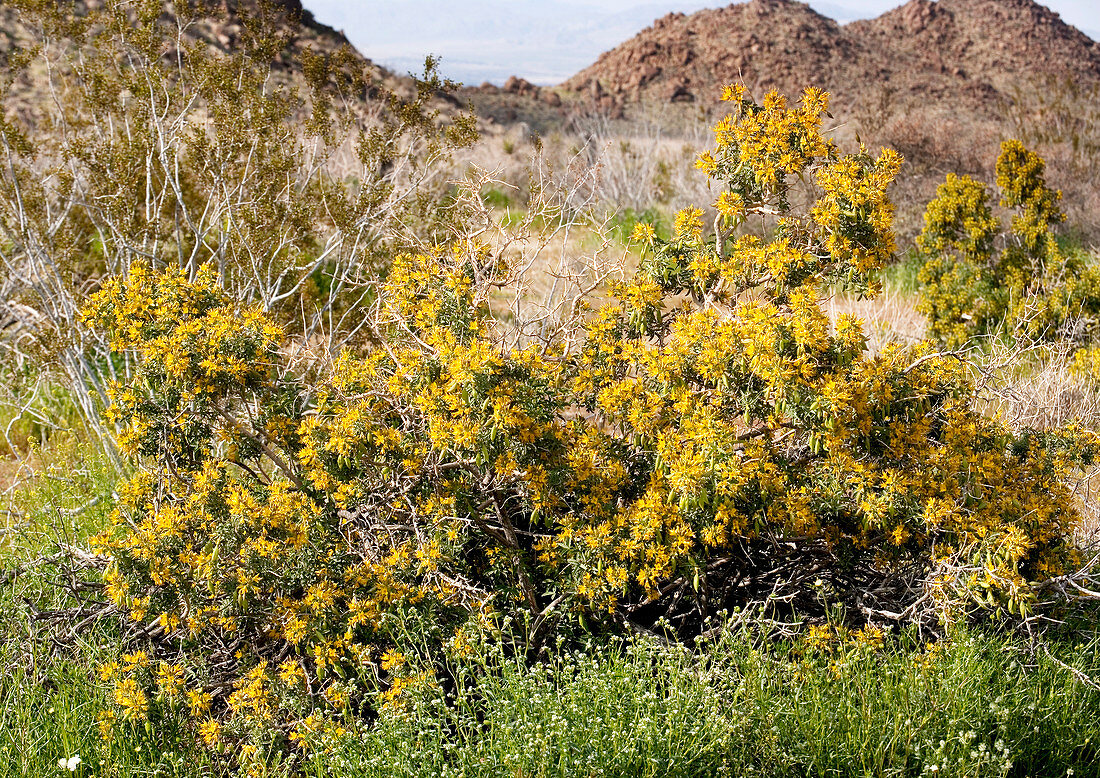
<point x="497" y="198"/>
<point x="60" y="495"/>
<point x="978" y="706"/>
<point x="50" y="694"/>
<point x="33" y="410"/>
<point x="49" y="711"/>
<point x="622" y="222"/>
<point x="982" y="707"/>
<point x="903" y="275"/>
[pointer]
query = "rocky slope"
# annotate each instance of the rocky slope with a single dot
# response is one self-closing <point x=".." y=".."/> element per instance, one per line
<point x="221" y="26"/>
<point x="943" y="82"/>
<point x="967" y="52"/>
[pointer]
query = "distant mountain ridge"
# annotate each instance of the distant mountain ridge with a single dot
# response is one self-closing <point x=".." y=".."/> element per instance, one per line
<point x="552" y="38"/>
<point x="964" y="52"/>
<point x="543" y="41"/>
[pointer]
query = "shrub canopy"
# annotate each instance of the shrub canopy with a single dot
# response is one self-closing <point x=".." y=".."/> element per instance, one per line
<point x="311" y="540"/>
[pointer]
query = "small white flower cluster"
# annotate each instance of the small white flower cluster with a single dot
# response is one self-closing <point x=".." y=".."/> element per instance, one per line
<point x="69" y="764"/>
<point x="964" y="752"/>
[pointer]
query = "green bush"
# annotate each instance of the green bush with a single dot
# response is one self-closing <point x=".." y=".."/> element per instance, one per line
<point x="980" y="280"/>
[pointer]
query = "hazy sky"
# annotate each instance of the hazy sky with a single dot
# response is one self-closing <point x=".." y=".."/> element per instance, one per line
<point x="545" y="41"/>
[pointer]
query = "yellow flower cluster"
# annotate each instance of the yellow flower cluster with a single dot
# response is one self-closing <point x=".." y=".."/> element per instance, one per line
<point x="761" y="145"/>
<point x="854" y="214"/>
<point x="960" y="219"/>
<point x="1021" y="178"/>
<point x="761" y="151"/>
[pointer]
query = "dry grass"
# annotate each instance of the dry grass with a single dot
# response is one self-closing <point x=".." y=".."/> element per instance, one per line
<point x="891" y="317"/>
<point x="1035" y="388"/>
<point x="637" y="167"/>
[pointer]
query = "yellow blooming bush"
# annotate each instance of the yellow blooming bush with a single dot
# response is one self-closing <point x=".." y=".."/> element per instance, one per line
<point x="308" y="540"/>
<point x="979" y="279"/>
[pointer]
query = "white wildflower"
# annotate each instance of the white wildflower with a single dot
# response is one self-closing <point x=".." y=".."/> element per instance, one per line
<point x="69" y="764"/>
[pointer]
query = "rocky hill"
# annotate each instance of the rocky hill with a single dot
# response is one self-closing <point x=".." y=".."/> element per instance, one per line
<point x="943" y="82"/>
<point x="966" y="52"/>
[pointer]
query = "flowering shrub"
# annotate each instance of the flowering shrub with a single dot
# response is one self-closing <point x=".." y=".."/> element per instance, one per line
<point x="312" y="538"/>
<point x="979" y="280"/>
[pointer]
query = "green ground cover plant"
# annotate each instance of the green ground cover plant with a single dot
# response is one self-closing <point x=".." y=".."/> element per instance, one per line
<point x="833" y="701"/>
<point x="829" y="704"/>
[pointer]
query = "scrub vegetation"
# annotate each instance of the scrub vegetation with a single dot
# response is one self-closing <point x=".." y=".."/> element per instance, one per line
<point x="332" y="452"/>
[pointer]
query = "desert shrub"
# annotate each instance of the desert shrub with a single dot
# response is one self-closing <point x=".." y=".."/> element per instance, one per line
<point x="980" y="280"/>
<point x="131" y="134"/>
<point x="1060" y="117"/>
<point x="307" y="540"/>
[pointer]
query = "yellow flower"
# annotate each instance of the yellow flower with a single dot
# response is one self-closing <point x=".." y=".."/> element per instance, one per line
<point x="643" y="233"/>
<point x="132" y="699"/>
<point x="198" y="701"/>
<point x="689" y="223"/>
<point x="730" y="205"/>
<point x="734" y="93"/>
<point x="169" y="679"/>
<point x="211" y="732"/>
